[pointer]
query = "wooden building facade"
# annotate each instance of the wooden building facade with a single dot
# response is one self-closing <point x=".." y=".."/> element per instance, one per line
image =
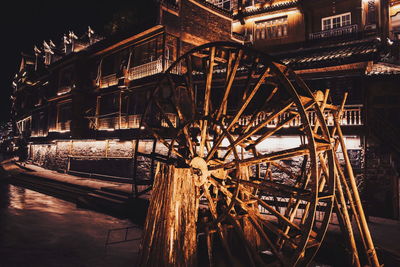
<point x="84" y="98"/>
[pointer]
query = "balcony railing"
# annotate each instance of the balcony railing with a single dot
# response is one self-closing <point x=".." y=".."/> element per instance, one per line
<point x="151" y="68"/>
<point x="334" y="32"/>
<point x="64" y="126"/>
<point x="117" y="122"/>
<point x="113" y="122"/>
<point x="109" y="80"/>
<point x="351" y="117"/>
<point x="141" y="71"/>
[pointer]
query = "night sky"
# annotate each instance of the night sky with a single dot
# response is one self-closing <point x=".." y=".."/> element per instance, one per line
<point x="27" y="23"/>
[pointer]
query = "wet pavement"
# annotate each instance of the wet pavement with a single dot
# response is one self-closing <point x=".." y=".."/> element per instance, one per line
<point x="40" y="230"/>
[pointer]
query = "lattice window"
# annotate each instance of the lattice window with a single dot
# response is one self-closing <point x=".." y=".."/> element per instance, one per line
<point x="272" y="28"/>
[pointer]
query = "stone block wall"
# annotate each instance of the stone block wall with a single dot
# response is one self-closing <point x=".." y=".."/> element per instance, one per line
<point x="105" y="157"/>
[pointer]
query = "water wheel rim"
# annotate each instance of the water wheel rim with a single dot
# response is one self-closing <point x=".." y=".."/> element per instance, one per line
<point x="278" y="69"/>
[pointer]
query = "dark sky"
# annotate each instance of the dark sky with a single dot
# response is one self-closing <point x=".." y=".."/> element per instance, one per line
<point x="27" y="23"/>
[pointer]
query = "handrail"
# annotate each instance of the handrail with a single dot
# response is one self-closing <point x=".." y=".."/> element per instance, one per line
<point x="352" y="116"/>
<point x="125" y="239"/>
<point x="334" y="32"/>
<point x="109" y="80"/>
<point x="151" y="68"/>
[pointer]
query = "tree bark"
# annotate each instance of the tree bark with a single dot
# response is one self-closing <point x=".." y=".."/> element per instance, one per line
<point x="170" y="237"/>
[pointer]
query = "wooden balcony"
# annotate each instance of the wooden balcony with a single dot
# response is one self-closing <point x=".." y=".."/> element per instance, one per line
<point x="109" y="80"/>
<point x="350" y="29"/>
<point x="64" y="126"/>
<point x="351" y="117"/>
<point x="119" y="122"/>
<point x="116" y="122"/>
<point x="151" y="68"/>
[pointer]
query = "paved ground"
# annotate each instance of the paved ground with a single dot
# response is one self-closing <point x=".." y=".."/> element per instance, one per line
<point x="40" y="230"/>
<point x="385" y="232"/>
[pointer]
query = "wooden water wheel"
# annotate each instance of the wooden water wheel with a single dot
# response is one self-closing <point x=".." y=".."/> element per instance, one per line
<point x="221" y="110"/>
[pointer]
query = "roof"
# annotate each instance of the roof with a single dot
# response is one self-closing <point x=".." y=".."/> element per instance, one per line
<point x="267" y="8"/>
<point x="331" y="55"/>
<point x="382" y="68"/>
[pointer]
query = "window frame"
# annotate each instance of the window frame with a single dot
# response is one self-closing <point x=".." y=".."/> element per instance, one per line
<point x="331" y="18"/>
<point x="269" y="29"/>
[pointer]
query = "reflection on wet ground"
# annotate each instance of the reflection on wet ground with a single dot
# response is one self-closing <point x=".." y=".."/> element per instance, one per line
<point x="40" y="230"/>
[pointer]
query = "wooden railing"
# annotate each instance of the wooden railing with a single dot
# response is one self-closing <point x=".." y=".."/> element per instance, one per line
<point x="334" y="32"/>
<point x="141" y="71"/>
<point x="151" y="68"/>
<point x="351" y="117"/>
<point x="109" y="80"/>
<point x="64" y="126"/>
<point x="117" y="122"/>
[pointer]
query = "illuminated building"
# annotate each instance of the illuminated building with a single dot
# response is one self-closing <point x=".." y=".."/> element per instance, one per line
<point x="83" y="98"/>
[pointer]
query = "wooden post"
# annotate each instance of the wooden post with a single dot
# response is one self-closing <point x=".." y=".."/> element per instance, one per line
<point x="357" y="200"/>
<point x="170" y="237"/>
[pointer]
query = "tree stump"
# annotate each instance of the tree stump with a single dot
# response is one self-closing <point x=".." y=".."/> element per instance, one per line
<point x="170" y="229"/>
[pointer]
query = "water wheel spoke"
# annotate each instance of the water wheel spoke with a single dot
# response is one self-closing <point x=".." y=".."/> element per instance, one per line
<point x="274" y="156"/>
<point x="251" y="131"/>
<point x="279" y="233"/>
<point x="253" y="219"/>
<point x="217" y="223"/>
<point x="207" y="100"/>
<point x="162" y="140"/>
<point x="181" y="117"/>
<point x="250" y="250"/>
<point x="190" y="86"/>
<point x="223" y="142"/>
<point x="277" y="189"/>
<point x="260" y="202"/>
<point x="283" y="168"/>
<point x="163" y="114"/>
<point x="281" y="124"/>
<point x="248" y="97"/>
<point x="242" y="107"/>
<point x="260" y="110"/>
<point x="231" y="77"/>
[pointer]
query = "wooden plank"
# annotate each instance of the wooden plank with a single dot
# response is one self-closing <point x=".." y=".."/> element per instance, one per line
<point x="207" y="100"/>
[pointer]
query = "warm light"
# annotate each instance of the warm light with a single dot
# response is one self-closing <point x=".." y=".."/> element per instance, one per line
<point x="275" y="15"/>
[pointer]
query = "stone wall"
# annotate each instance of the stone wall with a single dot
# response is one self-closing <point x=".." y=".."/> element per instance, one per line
<point x="105" y="157"/>
<point x="199" y="25"/>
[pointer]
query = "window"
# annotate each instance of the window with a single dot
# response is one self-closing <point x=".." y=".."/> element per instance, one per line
<point x="65" y="81"/>
<point x="335" y="22"/>
<point x="225" y="4"/>
<point x="272" y="28"/>
<point x="64" y="115"/>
